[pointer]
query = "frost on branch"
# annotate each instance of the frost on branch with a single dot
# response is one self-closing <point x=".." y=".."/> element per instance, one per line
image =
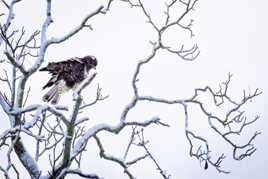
<point x="32" y="120"/>
<point x="59" y="133"/>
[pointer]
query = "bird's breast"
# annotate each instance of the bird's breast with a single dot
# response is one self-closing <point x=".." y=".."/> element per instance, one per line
<point x="62" y="87"/>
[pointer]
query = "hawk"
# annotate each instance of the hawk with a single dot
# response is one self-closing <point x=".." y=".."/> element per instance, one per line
<point x="66" y="75"/>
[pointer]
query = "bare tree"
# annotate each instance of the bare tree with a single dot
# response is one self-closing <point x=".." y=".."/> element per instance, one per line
<point x="64" y="142"/>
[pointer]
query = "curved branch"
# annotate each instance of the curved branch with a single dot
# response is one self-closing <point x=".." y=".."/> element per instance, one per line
<point x="112" y="158"/>
<point x="54" y="40"/>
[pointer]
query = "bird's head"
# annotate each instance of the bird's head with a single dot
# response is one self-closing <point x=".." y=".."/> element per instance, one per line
<point x="91" y="61"/>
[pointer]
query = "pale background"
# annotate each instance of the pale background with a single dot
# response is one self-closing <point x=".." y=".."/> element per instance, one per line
<point x="232" y="36"/>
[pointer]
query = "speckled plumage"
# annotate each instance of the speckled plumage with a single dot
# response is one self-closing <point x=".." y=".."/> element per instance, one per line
<point x="66" y="75"/>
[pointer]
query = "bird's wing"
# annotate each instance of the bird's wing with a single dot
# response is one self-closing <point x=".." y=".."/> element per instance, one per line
<point x="75" y="59"/>
<point x="51" y="81"/>
<point x="61" y="66"/>
<point x="69" y="70"/>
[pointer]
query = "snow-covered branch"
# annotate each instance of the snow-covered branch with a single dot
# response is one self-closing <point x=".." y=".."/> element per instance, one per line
<point x="112" y="158"/>
<point x="85" y="82"/>
<point x="82" y="174"/>
<point x="4" y="103"/>
<point x="16" y="52"/>
<point x="10" y="16"/>
<point x="76" y="29"/>
<point x="63" y="138"/>
<point x="105" y="127"/>
<point x="33" y="107"/>
<point x="99" y="97"/>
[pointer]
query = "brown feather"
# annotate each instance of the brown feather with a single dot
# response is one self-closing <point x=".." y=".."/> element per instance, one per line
<point x="71" y="71"/>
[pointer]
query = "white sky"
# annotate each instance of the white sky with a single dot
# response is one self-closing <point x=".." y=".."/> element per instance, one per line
<point x="232" y="36"/>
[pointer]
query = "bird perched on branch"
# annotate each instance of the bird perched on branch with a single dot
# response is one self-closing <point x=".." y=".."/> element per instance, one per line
<point x="66" y="75"/>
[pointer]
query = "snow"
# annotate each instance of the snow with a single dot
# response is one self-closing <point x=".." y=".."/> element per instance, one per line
<point x="46" y="24"/>
<point x="78" y="171"/>
<point x="127" y="108"/>
<point x="2" y="169"/>
<point x="79" y="121"/>
<point x="114" y="158"/>
<point x="109" y="128"/>
<point x="4" y="104"/>
<point x="10" y="16"/>
<point x="35" y="118"/>
<point x="83" y="84"/>
<point x="76" y="29"/>
<point x="87" y="135"/>
<point x="209" y="122"/>
<point x="61" y="107"/>
<point x="26" y="109"/>
<point x="31" y="164"/>
<point x="4" y="133"/>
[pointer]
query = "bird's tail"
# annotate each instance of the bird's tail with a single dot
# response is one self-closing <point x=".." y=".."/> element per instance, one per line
<point x="52" y="95"/>
<point x="43" y="69"/>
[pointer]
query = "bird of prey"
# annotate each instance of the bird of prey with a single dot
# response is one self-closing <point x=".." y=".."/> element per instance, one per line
<point x="66" y="75"/>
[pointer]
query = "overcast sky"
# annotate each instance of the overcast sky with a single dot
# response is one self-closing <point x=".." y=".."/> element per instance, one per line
<point x="232" y="37"/>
